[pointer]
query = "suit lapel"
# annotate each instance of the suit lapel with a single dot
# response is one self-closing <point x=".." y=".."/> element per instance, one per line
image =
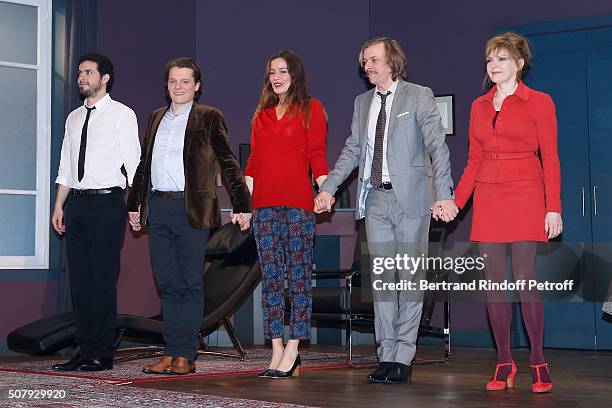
<point x="398" y="101"/>
<point x="364" y="108"/>
<point x="189" y="131"/>
<point x="154" y="126"/>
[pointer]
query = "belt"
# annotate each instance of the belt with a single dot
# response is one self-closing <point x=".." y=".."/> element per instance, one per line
<point x="507" y="156"/>
<point x="77" y="193"/>
<point x="385" y="186"/>
<point x="176" y="195"/>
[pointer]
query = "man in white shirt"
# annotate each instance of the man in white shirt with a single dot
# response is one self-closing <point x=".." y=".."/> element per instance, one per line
<point x="100" y="144"/>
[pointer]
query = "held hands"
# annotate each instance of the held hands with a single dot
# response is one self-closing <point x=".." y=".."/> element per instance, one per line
<point x="243" y="219"/>
<point x="444" y="210"/>
<point x="553" y="224"/>
<point x="323" y="202"/>
<point x="134" y="220"/>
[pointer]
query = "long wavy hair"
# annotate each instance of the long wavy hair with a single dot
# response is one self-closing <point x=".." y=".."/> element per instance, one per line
<point x="296" y="94"/>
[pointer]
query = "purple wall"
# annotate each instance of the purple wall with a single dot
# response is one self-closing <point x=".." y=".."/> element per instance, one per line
<point x="140" y="37"/>
<point x="231" y="42"/>
<point x="443" y="41"/>
<point x="326" y="34"/>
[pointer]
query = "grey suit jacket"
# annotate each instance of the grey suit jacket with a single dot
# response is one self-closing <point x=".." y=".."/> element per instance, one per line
<point x="417" y="155"/>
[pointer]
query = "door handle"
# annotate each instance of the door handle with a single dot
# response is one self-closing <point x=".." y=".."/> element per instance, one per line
<point x="595" y="198"/>
<point x="583" y="201"/>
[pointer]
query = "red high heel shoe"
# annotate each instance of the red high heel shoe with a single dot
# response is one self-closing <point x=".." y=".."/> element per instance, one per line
<point x="498" y="385"/>
<point x="539" y="386"/>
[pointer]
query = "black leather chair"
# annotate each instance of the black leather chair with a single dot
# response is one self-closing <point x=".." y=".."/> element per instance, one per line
<point x="351" y="306"/>
<point x="229" y="280"/>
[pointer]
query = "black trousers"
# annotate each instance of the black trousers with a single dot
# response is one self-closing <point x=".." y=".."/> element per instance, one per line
<point x="177" y="256"/>
<point x="95" y="225"/>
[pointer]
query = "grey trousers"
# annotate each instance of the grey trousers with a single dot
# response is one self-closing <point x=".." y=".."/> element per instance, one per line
<point x="397" y="312"/>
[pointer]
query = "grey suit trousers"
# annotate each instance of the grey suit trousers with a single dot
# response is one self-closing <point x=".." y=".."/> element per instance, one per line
<point x="397" y="313"/>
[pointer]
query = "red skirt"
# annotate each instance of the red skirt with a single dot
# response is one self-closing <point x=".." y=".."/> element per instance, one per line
<point x="509" y="212"/>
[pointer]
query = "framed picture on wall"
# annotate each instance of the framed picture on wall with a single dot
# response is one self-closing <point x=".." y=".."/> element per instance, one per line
<point x="446" y="106"/>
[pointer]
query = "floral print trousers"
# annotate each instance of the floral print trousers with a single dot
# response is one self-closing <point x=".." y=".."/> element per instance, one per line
<point x="284" y="237"/>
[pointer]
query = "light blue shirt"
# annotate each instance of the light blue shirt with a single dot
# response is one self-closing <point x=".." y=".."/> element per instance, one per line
<point x="167" y="169"/>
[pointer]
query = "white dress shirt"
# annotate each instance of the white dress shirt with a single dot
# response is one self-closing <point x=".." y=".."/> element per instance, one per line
<point x="112" y="142"/>
<point x="167" y="167"/>
<point x="374" y="111"/>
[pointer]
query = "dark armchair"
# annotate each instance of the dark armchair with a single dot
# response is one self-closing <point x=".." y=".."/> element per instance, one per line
<point x="345" y="304"/>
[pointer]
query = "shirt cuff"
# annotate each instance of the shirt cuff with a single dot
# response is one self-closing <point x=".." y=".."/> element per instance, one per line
<point x="61" y="180"/>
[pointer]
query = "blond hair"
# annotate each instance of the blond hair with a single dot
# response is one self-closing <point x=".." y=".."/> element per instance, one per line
<point x="396" y="59"/>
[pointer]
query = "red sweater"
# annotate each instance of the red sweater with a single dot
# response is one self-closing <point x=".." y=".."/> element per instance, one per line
<point x="281" y="154"/>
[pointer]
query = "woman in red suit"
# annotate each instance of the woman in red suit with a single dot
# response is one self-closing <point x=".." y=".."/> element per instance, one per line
<point x="513" y="170"/>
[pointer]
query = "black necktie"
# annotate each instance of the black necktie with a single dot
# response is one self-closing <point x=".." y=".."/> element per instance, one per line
<point x="379" y="135"/>
<point x="84" y="144"/>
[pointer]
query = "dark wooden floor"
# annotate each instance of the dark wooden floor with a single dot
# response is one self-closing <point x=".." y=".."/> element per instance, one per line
<point x="580" y="378"/>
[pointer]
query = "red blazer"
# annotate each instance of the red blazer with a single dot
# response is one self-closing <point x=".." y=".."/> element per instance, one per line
<point x="526" y="125"/>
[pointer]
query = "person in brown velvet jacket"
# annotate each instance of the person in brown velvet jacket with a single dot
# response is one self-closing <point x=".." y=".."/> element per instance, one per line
<point x="175" y="193"/>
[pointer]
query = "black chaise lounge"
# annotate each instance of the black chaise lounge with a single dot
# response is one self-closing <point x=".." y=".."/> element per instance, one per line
<point x="229" y="280"/>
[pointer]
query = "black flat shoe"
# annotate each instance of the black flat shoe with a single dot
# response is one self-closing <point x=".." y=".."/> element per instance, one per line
<point x="97" y="364"/>
<point x="294" y="372"/>
<point x="74" y="364"/>
<point x="399" y="374"/>
<point x="380" y="374"/>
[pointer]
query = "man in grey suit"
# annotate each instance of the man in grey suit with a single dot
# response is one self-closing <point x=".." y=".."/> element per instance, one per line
<point x="398" y="142"/>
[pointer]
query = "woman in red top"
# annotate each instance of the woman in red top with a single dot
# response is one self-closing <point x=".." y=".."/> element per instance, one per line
<point x="516" y="193"/>
<point x="287" y="140"/>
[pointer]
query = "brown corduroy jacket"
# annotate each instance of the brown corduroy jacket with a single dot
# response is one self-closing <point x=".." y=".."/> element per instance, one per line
<point x="206" y="149"/>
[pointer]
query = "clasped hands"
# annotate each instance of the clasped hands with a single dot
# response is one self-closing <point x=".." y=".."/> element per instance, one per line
<point x="324" y="201"/>
<point x="444" y="210"/>
<point x="134" y="220"/>
<point x="243" y="219"/>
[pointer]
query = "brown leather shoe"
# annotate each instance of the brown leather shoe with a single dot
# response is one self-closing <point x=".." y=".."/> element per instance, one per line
<point x="181" y="366"/>
<point x="159" y="367"/>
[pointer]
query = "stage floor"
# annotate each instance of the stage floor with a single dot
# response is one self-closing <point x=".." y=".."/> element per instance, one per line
<point x="581" y="379"/>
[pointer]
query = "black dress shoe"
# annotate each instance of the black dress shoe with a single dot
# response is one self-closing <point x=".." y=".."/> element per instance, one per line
<point x="379" y="375"/>
<point x="399" y="374"/>
<point x="97" y="364"/>
<point x="265" y="373"/>
<point x="74" y="364"/>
